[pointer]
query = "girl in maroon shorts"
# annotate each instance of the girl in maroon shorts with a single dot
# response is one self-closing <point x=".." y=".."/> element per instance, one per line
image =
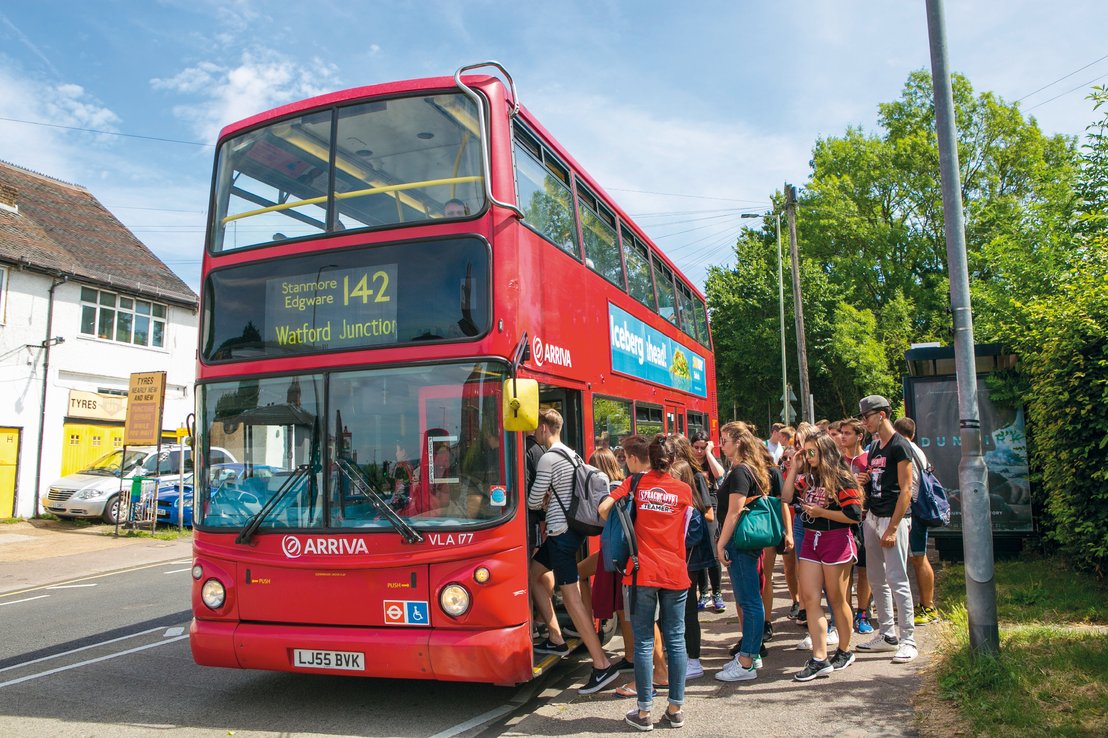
<point x="830" y="504"/>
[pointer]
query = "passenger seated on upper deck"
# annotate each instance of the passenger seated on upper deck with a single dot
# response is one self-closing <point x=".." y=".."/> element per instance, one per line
<point x="454" y="208"/>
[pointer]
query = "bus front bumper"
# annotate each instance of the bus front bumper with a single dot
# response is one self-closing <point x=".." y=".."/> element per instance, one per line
<point x="495" y="656"/>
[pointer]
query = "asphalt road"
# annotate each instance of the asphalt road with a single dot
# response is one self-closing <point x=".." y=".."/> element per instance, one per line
<point x="109" y="655"/>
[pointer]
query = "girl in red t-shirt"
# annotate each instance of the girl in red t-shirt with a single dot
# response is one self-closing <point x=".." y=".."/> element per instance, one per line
<point x="662" y="582"/>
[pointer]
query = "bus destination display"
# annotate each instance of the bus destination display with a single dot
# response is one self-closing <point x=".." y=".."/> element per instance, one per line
<point x="333" y="308"/>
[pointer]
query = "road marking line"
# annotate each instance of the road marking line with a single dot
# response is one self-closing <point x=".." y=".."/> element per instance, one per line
<point x="73" y="586"/>
<point x="77" y="650"/>
<point x="173" y="632"/>
<point x="26" y="599"/>
<point x="182" y="561"/>
<point x="20" y="680"/>
<point x="177" y="571"/>
<point x="521" y="697"/>
<point x="85" y="579"/>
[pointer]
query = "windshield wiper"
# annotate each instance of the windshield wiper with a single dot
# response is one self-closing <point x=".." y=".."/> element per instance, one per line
<point x="247" y="533"/>
<point x="361" y="484"/>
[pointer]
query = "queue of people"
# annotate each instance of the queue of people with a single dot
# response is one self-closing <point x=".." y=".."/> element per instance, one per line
<point x="847" y="526"/>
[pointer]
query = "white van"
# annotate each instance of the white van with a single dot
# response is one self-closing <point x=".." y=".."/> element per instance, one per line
<point x="94" y="492"/>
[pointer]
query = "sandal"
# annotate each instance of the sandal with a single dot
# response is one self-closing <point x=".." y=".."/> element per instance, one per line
<point x="629" y="690"/>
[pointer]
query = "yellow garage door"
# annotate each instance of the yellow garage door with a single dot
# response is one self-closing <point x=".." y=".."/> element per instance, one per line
<point x="9" y="464"/>
<point x="83" y="444"/>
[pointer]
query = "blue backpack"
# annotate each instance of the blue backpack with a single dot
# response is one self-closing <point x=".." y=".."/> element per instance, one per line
<point x="618" y="543"/>
<point x="930" y="506"/>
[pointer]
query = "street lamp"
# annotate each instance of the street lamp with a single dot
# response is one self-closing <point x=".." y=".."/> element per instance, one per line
<point x="781" y="308"/>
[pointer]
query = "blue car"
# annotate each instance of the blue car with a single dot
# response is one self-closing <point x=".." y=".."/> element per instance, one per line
<point x="168" y="497"/>
<point x="230" y="476"/>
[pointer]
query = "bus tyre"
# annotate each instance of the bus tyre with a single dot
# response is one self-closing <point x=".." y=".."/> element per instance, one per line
<point x="111" y="510"/>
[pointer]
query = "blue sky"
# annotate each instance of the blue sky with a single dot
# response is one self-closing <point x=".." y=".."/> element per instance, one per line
<point x="687" y="115"/>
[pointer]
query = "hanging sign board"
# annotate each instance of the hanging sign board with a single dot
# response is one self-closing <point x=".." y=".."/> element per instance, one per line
<point x="145" y="403"/>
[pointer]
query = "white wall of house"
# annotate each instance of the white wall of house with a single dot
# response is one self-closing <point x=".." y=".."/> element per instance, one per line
<point x="80" y="362"/>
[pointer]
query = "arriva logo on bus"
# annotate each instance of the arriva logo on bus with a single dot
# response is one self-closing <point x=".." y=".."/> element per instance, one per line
<point x="542" y="353"/>
<point x="294" y="547"/>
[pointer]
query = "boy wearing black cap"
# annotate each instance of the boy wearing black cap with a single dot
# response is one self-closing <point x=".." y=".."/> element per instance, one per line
<point x="888" y="485"/>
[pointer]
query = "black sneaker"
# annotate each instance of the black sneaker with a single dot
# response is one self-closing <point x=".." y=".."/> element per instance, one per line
<point x="794" y="611"/>
<point x="599" y="679"/>
<point x="641" y="723"/>
<point x="842" y="659"/>
<point x="802" y="617"/>
<point x="814" y="669"/>
<point x="559" y="649"/>
<point x="767" y="632"/>
<point x="625" y="665"/>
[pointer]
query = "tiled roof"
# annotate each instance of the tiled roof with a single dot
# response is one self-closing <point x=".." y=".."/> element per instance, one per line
<point x="61" y="227"/>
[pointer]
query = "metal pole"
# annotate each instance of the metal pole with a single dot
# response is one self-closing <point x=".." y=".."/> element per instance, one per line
<point x="798" y="306"/>
<point x="977" y="529"/>
<point x="781" y="306"/>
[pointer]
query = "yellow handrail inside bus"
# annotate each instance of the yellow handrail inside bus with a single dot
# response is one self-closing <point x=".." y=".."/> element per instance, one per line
<point x="354" y="193"/>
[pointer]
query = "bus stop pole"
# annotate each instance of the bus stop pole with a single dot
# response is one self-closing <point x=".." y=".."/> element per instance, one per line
<point x="977" y="528"/>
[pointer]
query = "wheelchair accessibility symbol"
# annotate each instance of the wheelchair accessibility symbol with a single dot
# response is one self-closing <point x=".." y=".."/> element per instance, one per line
<point x="417" y="613"/>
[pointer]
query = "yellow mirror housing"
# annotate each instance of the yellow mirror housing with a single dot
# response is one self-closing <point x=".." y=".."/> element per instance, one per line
<point x="521" y="404"/>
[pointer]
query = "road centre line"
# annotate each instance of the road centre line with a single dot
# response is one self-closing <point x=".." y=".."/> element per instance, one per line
<point x="177" y="571"/>
<point x="77" y="650"/>
<point x="26" y="599"/>
<point x="85" y="579"/>
<point x="72" y="586"/>
<point x="30" y="677"/>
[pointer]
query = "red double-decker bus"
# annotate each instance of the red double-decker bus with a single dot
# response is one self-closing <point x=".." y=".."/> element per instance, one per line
<point x="379" y="262"/>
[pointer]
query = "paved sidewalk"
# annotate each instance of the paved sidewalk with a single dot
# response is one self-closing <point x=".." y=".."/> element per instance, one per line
<point x="39" y="552"/>
<point x="873" y="697"/>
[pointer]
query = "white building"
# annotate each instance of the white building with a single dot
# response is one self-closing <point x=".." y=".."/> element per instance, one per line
<point x="83" y="304"/>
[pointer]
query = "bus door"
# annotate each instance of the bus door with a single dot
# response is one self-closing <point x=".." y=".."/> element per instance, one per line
<point x="675" y="418"/>
<point x="568" y="403"/>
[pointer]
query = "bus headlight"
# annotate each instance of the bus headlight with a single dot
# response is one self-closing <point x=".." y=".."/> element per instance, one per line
<point x="454" y="600"/>
<point x="197" y="572"/>
<point x="213" y="594"/>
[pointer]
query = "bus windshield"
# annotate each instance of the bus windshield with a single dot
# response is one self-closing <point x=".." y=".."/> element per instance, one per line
<point x="427" y="440"/>
<point x="376" y="164"/>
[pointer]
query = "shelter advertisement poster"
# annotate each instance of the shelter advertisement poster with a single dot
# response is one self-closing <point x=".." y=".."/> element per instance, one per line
<point x="640" y="351"/>
<point x="933" y="404"/>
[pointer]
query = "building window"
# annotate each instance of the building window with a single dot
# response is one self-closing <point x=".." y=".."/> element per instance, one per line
<point x="74" y="439"/>
<point x="96" y="440"/>
<point x="114" y="317"/>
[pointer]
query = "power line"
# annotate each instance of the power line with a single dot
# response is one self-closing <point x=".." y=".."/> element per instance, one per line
<point x="106" y="133"/>
<point x="1060" y="79"/>
<point x="1075" y="89"/>
<point x="678" y="194"/>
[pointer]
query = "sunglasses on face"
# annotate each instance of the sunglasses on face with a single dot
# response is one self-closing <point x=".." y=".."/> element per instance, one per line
<point x="811" y="453"/>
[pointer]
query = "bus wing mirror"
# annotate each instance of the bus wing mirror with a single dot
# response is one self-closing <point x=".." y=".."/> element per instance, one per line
<point x="521" y="404"/>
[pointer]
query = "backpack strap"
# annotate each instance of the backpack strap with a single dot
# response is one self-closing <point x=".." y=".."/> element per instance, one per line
<point x="634" y="544"/>
<point x="573" y="482"/>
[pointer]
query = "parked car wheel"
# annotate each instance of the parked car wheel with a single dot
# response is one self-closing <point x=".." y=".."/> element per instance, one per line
<point x="111" y="510"/>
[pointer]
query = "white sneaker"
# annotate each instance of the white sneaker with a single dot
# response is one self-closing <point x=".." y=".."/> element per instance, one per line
<point x="694" y="669"/>
<point x="905" y="652"/>
<point x="879" y="643"/>
<point x="757" y="663"/>
<point x="736" y="672"/>
<point x="805" y="644"/>
<point x="832" y="637"/>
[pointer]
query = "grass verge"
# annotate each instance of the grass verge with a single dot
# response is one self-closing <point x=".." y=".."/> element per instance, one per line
<point x="161" y="534"/>
<point x="1051" y="677"/>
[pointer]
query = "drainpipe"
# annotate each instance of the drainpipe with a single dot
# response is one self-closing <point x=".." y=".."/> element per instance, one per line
<point x="47" y="344"/>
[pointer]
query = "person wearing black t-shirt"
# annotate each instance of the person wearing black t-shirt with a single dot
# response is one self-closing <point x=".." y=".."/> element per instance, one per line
<point x="888" y="485"/>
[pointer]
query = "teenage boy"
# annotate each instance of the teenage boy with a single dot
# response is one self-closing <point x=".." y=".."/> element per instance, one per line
<point x="888" y="484"/>
<point x="553" y="488"/>
<point x="917" y="537"/>
<point x="774" y="444"/>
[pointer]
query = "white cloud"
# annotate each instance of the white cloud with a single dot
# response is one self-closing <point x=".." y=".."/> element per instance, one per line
<point x="262" y="79"/>
<point x="713" y="166"/>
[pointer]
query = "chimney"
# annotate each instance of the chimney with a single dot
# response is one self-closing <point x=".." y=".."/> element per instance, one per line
<point x="7" y="197"/>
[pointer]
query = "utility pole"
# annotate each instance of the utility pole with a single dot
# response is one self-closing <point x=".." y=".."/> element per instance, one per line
<point x="798" y="306"/>
<point x="781" y="309"/>
<point x="977" y="527"/>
